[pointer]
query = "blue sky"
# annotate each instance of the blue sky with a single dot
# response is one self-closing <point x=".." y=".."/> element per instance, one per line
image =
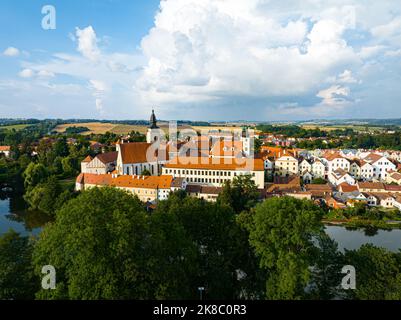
<point x="201" y="60"/>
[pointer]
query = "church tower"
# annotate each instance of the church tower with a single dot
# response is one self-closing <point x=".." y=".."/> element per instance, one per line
<point x="154" y="132"/>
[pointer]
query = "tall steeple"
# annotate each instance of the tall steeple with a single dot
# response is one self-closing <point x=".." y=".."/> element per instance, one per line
<point x="153" y="121"/>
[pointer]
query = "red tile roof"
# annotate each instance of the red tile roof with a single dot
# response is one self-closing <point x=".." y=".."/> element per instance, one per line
<point x="126" y="181"/>
<point x="136" y="152"/>
<point x="108" y="157"/>
<point x="87" y="159"/>
<point x="345" y="187"/>
<point x="5" y="148"/>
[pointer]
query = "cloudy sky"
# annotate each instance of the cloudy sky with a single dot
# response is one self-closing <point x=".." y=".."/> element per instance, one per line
<point x="202" y="59"/>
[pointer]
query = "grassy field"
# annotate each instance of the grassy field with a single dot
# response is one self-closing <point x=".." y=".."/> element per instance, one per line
<point x="16" y="127"/>
<point x="358" y="128"/>
<point x="222" y="128"/>
<point x="101" y="128"/>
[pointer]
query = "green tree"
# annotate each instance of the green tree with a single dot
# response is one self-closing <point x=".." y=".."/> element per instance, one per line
<point x="240" y="194"/>
<point x="17" y="280"/>
<point x="146" y="172"/>
<point x="69" y="166"/>
<point x="319" y="181"/>
<point x="378" y="273"/>
<point x="60" y="147"/>
<point x="326" y="273"/>
<point x="44" y="196"/>
<point x="34" y="174"/>
<point x="281" y="232"/>
<point x="225" y="264"/>
<point x="98" y="246"/>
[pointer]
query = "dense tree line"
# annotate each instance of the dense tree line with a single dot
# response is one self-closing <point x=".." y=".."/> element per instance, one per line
<point x="299" y="132"/>
<point x="105" y="245"/>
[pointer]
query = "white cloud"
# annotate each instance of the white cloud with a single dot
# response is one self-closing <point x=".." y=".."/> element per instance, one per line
<point x="98" y="85"/>
<point x="346" y="77"/>
<point x="87" y="43"/>
<point x="46" y="74"/>
<point x="214" y="49"/>
<point x="11" y="52"/>
<point x="27" y="73"/>
<point x="334" y="96"/>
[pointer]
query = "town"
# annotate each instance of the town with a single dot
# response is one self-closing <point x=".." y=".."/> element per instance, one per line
<point x="200" y="165"/>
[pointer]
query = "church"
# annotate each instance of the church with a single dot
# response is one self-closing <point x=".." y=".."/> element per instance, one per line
<point x="218" y="157"/>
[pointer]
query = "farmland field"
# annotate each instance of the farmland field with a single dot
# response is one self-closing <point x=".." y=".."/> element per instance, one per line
<point x="222" y="128"/>
<point x="15" y="126"/>
<point x="101" y="128"/>
<point x="358" y="128"/>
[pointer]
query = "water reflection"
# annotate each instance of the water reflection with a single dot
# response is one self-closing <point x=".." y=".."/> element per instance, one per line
<point x="354" y="238"/>
<point x="14" y="214"/>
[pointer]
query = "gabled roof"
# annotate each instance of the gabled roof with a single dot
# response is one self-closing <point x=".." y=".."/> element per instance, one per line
<point x="87" y="159"/>
<point x="332" y="155"/>
<point x="339" y="173"/>
<point x="227" y="148"/>
<point x="177" y="182"/>
<point x="108" y="157"/>
<point x="396" y="176"/>
<point x="136" y="152"/>
<point x="346" y="188"/>
<point x="126" y="181"/>
<point x="392" y="188"/>
<point x="318" y="187"/>
<point x="371" y="185"/>
<point x="373" y="157"/>
<point x="5" y="148"/>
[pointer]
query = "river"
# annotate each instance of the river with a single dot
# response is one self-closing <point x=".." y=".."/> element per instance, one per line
<point x="14" y="215"/>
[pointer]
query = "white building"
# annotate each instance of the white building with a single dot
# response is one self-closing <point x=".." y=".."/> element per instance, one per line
<point x="5" y="150"/>
<point x="381" y="165"/>
<point x="215" y="171"/>
<point x="340" y="176"/>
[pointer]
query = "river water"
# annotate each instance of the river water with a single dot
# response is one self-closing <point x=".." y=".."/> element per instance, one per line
<point x="14" y="215"/>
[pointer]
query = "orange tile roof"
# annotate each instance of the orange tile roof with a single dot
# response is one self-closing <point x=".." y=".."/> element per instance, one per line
<point x="87" y="159"/>
<point x="136" y="152"/>
<point x="396" y="176"/>
<point x="227" y="148"/>
<point x="345" y="187"/>
<point x="107" y="157"/>
<point x="5" y="148"/>
<point x="372" y="157"/>
<point x="277" y="152"/>
<point x="216" y="163"/>
<point x="126" y="181"/>
<point x="392" y="188"/>
<point x="331" y="156"/>
<point x="318" y="187"/>
<point x="371" y="185"/>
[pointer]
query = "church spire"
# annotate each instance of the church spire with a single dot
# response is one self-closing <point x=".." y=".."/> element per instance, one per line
<point x="153" y="121"/>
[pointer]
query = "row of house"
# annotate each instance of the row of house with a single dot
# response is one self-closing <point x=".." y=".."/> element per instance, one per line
<point x="333" y="166"/>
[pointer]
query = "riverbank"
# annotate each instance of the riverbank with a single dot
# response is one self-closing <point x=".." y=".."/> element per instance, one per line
<point x="363" y="223"/>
